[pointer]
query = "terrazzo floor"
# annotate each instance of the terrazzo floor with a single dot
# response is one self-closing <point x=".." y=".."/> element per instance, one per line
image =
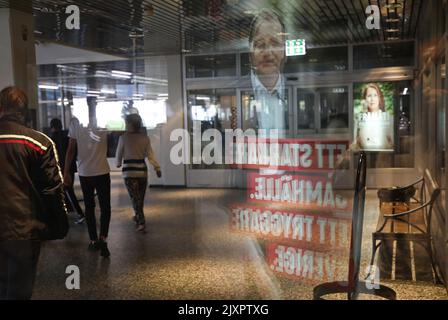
<point x="188" y="252"/>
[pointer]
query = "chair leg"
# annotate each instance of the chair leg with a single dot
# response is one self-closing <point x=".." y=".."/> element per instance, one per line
<point x="375" y="247"/>
<point x="428" y="248"/>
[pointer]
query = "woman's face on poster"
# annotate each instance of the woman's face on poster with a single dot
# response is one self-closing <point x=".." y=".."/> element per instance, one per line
<point x="268" y="50"/>
<point x="373" y="100"/>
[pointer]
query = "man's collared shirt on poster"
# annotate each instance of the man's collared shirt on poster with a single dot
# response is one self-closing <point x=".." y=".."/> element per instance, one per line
<point x="271" y="107"/>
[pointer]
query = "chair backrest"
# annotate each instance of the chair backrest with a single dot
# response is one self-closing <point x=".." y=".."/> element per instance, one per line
<point x="357" y="226"/>
<point x="432" y="189"/>
<point x="435" y="194"/>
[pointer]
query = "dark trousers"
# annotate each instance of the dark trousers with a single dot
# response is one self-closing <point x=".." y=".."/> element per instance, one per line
<point x="137" y="190"/>
<point x="102" y="186"/>
<point x="70" y="197"/>
<point x="18" y="266"/>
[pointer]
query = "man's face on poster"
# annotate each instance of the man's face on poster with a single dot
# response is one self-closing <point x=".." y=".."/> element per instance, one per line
<point x="268" y="49"/>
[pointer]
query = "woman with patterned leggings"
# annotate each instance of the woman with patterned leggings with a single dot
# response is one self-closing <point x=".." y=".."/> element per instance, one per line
<point x="133" y="147"/>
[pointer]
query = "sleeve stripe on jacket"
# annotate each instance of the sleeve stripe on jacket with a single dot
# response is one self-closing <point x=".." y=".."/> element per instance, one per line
<point x="14" y="137"/>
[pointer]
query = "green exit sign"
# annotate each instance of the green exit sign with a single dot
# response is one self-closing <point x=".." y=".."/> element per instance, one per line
<point x="295" y="47"/>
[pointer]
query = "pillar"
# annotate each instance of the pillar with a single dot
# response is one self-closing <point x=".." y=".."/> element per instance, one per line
<point x="18" y="56"/>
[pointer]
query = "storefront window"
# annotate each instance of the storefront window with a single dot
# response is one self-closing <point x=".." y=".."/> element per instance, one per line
<point x="383" y="55"/>
<point x="315" y="60"/>
<point x="332" y="113"/>
<point x="211" y="66"/>
<point x="334" y="108"/>
<point x="319" y="60"/>
<point x="211" y="109"/>
<point x="250" y="105"/>
<point x="306" y="100"/>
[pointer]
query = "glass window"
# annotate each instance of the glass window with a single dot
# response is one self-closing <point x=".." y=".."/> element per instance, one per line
<point x="211" y="109"/>
<point x="211" y="66"/>
<point x="315" y="60"/>
<point x="245" y="64"/>
<point x="319" y="60"/>
<point x="383" y="55"/>
<point x="306" y="100"/>
<point x="332" y="113"/>
<point x="333" y="108"/>
<point x="251" y="106"/>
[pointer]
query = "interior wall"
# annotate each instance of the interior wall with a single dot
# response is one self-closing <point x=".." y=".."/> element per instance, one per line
<point x="430" y="97"/>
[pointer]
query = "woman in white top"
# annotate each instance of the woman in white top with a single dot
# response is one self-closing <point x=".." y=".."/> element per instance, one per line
<point x="133" y="147"/>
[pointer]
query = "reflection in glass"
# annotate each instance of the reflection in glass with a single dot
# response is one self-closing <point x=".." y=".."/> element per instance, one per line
<point x="211" y="66"/>
<point x="383" y="55"/>
<point x="305" y="110"/>
<point x="250" y="106"/>
<point x="334" y="108"/>
<point x="211" y="109"/>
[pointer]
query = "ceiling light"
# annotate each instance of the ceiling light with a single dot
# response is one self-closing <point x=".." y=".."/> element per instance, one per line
<point x="48" y="87"/>
<point x="123" y="73"/>
<point x="106" y="91"/>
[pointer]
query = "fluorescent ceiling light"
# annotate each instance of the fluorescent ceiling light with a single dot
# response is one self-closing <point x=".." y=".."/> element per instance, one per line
<point x="48" y="87"/>
<point x="106" y="91"/>
<point x="120" y="76"/>
<point x="93" y="92"/>
<point x="123" y="73"/>
<point x="203" y="98"/>
<point x="162" y="95"/>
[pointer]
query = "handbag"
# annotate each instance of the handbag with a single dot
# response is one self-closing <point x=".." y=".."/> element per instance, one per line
<point x="54" y="218"/>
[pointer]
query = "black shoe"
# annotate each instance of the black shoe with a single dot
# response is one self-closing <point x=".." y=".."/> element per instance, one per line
<point x="104" y="250"/>
<point x="94" y="246"/>
<point x="80" y="220"/>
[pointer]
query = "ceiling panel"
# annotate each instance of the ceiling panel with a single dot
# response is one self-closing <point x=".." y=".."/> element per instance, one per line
<point x="173" y="26"/>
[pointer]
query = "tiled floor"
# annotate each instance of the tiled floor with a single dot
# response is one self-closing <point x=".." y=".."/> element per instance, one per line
<point x="189" y="252"/>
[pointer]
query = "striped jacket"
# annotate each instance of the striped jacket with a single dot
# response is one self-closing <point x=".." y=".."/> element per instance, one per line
<point x="31" y="185"/>
<point x="132" y="150"/>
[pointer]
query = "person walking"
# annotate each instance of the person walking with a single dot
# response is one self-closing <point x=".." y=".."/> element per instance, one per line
<point x="94" y="175"/>
<point x="133" y="148"/>
<point x="61" y="140"/>
<point x="32" y="206"/>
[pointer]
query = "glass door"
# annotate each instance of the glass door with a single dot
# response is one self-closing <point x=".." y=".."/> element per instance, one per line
<point x="321" y="110"/>
<point x="210" y="113"/>
<point x="441" y="123"/>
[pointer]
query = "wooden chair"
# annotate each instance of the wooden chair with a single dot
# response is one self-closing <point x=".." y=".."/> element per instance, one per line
<point x="403" y="220"/>
<point x="353" y="287"/>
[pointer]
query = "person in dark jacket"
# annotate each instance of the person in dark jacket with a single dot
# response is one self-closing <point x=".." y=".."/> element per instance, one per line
<point x="32" y="196"/>
<point x="61" y="140"/>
